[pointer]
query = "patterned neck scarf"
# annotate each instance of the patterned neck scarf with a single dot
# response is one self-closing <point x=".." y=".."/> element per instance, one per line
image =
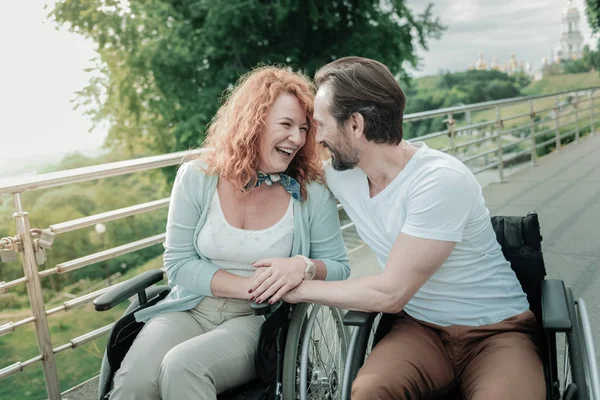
<point x="289" y="184"/>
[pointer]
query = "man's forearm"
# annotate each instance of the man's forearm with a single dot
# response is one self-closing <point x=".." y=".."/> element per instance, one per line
<point x="370" y="294"/>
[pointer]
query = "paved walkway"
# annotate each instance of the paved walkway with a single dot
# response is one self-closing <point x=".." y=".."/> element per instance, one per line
<point x="564" y="188"/>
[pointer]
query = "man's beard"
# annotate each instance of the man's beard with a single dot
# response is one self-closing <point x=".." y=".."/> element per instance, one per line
<point x="342" y="161"/>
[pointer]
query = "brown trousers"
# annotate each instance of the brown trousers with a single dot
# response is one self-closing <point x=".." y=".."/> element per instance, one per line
<point x="419" y="360"/>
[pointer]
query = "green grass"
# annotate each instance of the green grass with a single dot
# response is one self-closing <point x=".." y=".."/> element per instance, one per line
<point x="560" y="83"/>
<point x="74" y="366"/>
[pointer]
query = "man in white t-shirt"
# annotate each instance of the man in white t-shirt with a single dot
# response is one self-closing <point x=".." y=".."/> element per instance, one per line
<point x="462" y="321"/>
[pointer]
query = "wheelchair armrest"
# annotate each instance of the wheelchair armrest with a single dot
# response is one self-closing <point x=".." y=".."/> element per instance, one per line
<point x="264" y="308"/>
<point x="359" y="318"/>
<point x="555" y="312"/>
<point x="125" y="290"/>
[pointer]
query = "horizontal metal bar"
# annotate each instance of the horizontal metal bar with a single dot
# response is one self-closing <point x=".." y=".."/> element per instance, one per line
<point x="109" y="216"/>
<point x="511" y="144"/>
<point x="339" y="206"/>
<point x="472" y="142"/>
<point x="11" y="326"/>
<point x="83" y="339"/>
<point x="18" y="367"/>
<point x="71" y="304"/>
<point x="538" y="134"/>
<point x="564" y="135"/>
<point x="485" y="105"/>
<point x="478" y="155"/>
<point x="429" y="136"/>
<point x="486" y="167"/>
<point x="475" y="126"/>
<point x="583" y="110"/>
<point x="567" y="114"/>
<point x="515" y="129"/>
<point x="544" y="143"/>
<point x="517" y="155"/>
<point x="21" y="184"/>
<point x="360" y="246"/>
<point x="541" y="110"/>
<point x="4" y="286"/>
<point x="569" y="124"/>
<point x="511" y="117"/>
<point x="346" y="226"/>
<point x="104" y="255"/>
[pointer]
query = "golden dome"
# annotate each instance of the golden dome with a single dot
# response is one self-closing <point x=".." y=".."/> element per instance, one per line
<point x="481" y="64"/>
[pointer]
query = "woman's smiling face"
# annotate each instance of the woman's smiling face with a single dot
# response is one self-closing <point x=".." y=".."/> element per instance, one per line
<point x="284" y="135"/>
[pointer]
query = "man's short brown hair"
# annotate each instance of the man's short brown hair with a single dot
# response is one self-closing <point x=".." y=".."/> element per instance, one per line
<point x="365" y="86"/>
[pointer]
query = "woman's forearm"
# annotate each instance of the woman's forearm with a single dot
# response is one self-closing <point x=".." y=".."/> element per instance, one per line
<point x="226" y="284"/>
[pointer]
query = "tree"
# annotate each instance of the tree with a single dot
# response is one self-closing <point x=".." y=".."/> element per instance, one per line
<point x="592" y="10"/>
<point x="162" y="65"/>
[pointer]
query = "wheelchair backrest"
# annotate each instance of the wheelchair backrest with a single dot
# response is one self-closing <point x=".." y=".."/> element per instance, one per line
<point x="521" y="243"/>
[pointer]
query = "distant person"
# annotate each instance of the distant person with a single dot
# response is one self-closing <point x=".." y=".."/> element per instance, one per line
<point x="258" y="195"/>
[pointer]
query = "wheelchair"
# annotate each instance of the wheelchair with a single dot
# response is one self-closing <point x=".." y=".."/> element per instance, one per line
<point x="301" y="350"/>
<point x="553" y="305"/>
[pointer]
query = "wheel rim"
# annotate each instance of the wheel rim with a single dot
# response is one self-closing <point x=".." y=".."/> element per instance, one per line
<point x="322" y="360"/>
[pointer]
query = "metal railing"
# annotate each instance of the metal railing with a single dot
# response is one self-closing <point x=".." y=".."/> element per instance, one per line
<point x="480" y="135"/>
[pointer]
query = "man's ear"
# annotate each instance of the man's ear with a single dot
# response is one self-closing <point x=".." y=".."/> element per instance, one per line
<point x="357" y="124"/>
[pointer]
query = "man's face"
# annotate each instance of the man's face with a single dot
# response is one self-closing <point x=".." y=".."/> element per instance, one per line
<point x="344" y="154"/>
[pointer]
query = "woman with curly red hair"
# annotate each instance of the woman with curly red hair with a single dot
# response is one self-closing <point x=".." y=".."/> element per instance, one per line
<point x="250" y="217"/>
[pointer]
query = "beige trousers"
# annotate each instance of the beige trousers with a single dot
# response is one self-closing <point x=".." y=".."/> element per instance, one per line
<point x="193" y="354"/>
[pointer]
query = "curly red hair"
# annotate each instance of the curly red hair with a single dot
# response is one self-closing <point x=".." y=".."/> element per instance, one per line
<point x="235" y="129"/>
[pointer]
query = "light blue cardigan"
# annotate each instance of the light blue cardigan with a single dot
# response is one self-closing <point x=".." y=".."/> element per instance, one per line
<point x="316" y="235"/>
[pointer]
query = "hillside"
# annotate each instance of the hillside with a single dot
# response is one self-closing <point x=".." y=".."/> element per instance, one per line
<point x="560" y="83"/>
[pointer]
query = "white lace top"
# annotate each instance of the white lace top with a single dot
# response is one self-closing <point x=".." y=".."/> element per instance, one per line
<point x="234" y="249"/>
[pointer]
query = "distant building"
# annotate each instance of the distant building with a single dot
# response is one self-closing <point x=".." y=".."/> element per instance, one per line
<point x="570" y="48"/>
<point x="512" y="66"/>
<point x="571" y="40"/>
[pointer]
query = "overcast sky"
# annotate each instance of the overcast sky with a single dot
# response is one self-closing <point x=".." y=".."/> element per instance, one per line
<point x="41" y="68"/>
<point x="530" y="29"/>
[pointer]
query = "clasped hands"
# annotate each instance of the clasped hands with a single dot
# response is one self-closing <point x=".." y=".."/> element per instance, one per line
<point x="274" y="278"/>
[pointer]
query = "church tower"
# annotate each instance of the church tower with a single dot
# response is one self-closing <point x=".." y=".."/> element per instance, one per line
<point x="571" y="41"/>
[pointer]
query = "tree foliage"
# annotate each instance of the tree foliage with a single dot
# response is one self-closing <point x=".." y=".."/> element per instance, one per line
<point x="162" y="65"/>
<point x="592" y="10"/>
<point x="453" y="89"/>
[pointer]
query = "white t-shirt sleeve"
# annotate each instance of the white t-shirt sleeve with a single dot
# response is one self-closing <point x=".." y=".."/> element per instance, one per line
<point x="439" y="204"/>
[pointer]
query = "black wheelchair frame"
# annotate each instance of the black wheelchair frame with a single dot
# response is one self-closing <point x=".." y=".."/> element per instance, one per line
<point x="552" y="304"/>
<point x="271" y="346"/>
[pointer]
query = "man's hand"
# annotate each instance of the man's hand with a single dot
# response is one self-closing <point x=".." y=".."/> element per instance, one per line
<point x="293" y="296"/>
<point x="275" y="277"/>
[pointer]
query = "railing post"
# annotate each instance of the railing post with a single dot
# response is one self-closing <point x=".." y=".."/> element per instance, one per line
<point x="34" y="289"/>
<point x="532" y="132"/>
<point x="557" y="119"/>
<point x="576" y="117"/>
<point x="499" y="145"/>
<point x="592" y="109"/>
<point x="451" y="124"/>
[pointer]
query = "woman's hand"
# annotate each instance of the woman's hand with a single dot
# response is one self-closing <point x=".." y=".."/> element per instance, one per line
<point x="275" y="277"/>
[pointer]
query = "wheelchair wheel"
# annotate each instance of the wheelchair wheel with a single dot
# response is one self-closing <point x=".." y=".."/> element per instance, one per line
<point x="372" y="335"/>
<point x="316" y="348"/>
<point x="323" y="353"/>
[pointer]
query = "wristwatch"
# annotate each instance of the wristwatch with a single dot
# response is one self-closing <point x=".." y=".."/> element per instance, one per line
<point x="311" y="268"/>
